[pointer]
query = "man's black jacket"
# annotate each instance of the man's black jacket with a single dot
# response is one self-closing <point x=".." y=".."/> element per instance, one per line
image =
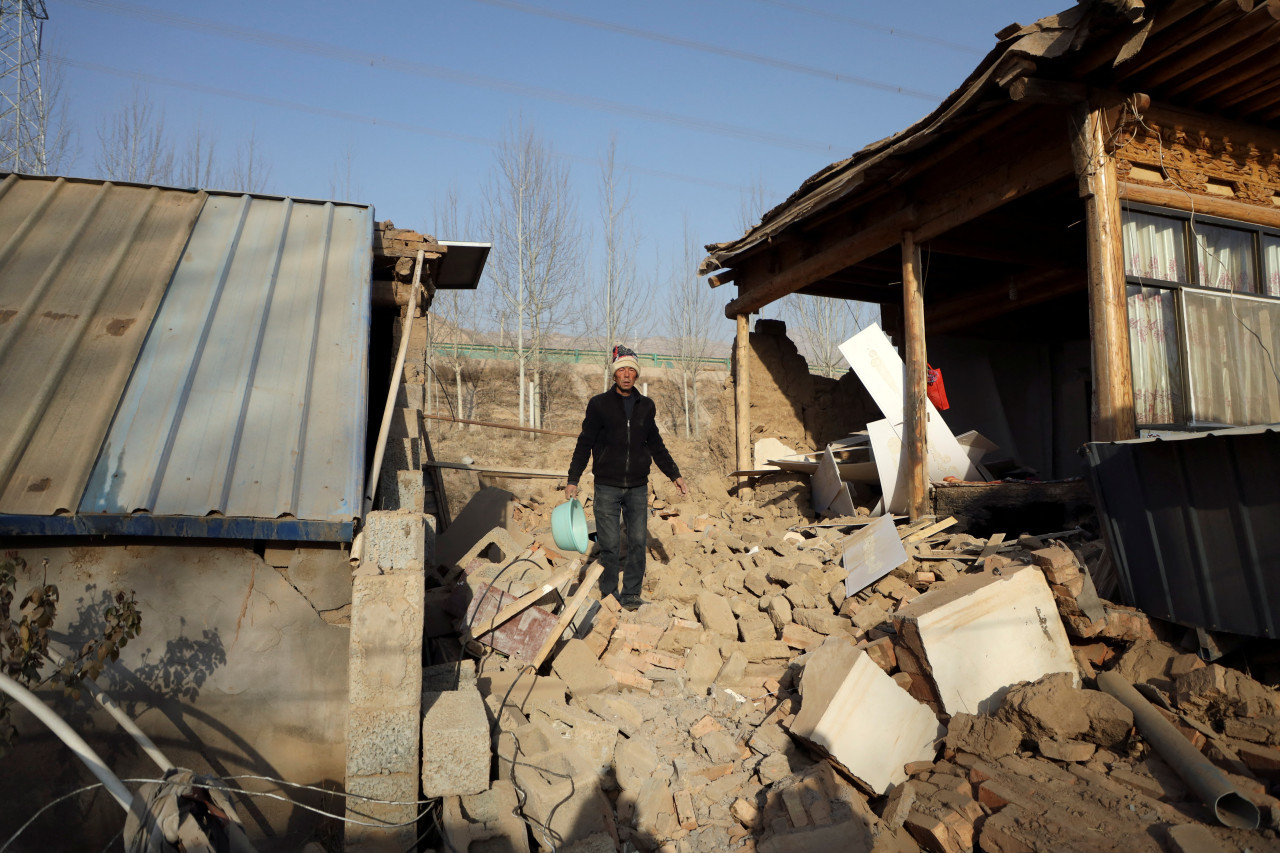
<point x="620" y="449"/>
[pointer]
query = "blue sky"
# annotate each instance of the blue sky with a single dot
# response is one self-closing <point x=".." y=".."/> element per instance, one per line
<point x="418" y="93"/>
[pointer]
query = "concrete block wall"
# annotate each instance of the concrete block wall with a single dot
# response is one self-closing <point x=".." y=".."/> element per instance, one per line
<point x="385" y="679"/>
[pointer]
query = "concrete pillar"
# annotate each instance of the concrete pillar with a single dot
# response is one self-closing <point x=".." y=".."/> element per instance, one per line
<point x="385" y="679"/>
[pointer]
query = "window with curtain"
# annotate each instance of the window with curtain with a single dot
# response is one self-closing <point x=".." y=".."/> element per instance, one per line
<point x="1153" y="351"/>
<point x="1202" y="357"/>
<point x="1270" y="265"/>
<point x="1154" y="247"/>
<point x="1224" y="258"/>
<point x="1233" y="358"/>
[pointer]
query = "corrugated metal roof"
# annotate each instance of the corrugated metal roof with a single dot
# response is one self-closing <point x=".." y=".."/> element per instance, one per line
<point x="248" y="399"/>
<point x="82" y="268"/>
<point x="1192" y="525"/>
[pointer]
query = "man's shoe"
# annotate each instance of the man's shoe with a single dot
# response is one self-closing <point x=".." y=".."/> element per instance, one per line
<point x="631" y="602"/>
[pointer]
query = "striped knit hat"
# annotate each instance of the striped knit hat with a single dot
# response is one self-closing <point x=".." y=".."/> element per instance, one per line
<point x="624" y="357"/>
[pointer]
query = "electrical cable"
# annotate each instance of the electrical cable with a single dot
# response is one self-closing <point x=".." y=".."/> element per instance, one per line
<point x="427" y="804"/>
<point x="367" y="59"/>
<point x="703" y="47"/>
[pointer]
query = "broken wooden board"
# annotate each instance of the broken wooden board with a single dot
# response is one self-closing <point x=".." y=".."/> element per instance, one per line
<point x="872" y="553"/>
<point x="853" y="472"/>
<point x="522" y="635"/>
<point x="526" y="600"/>
<point x="881" y="372"/>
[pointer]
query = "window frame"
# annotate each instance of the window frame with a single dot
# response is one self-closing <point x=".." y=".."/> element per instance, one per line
<point x="1187" y="219"/>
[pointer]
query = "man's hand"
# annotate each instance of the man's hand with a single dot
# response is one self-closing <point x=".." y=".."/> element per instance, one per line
<point x="679" y="481"/>
<point x="570" y="491"/>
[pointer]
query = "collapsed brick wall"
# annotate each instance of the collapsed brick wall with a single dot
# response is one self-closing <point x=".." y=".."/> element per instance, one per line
<point x="800" y="409"/>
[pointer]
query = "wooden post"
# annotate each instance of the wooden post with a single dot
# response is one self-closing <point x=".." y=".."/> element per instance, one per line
<point x="1112" y="416"/>
<point x="742" y="401"/>
<point x="914" y="412"/>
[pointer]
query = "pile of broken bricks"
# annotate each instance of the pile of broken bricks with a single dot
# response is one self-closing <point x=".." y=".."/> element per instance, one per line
<point x="862" y="686"/>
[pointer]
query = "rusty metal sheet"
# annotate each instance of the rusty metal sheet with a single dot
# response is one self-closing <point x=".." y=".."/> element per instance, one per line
<point x="83" y="266"/>
<point x="249" y="398"/>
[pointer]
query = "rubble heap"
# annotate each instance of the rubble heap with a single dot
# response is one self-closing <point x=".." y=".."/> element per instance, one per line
<point x="853" y="684"/>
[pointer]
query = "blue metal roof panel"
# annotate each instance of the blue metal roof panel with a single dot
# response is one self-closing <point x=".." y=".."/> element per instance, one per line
<point x="83" y="267"/>
<point x="248" y="398"/>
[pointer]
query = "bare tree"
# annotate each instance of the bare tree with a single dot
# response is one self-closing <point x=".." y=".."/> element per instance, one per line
<point x="196" y="164"/>
<point x="457" y="311"/>
<point x="690" y="319"/>
<point x="133" y="145"/>
<point x="612" y="307"/>
<point x="341" y="183"/>
<point x="250" y="172"/>
<point x="820" y="324"/>
<point x="532" y="216"/>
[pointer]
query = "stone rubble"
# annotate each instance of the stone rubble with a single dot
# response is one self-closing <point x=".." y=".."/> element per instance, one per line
<point x="756" y="704"/>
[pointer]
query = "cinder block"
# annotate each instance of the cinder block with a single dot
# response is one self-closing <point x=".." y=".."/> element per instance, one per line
<point x="402" y="790"/>
<point x="396" y="540"/>
<point x="411" y="490"/>
<point x="381" y="740"/>
<point x="455" y="743"/>
<point x="981" y="634"/>
<point x="496" y="536"/>
<point x="385" y="666"/>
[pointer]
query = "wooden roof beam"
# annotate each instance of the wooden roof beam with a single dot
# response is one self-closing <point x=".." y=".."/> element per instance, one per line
<point x="1000" y="298"/>
<point x="941" y="204"/>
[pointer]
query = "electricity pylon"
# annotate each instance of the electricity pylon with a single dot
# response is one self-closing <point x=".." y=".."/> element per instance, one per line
<point x="22" y="107"/>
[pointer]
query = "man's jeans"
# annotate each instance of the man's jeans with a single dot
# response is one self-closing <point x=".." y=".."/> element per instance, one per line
<point x="631" y="506"/>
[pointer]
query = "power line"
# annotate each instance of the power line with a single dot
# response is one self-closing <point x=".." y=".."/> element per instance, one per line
<point x="422" y="69"/>
<point x="342" y="115"/>
<point x="701" y="47"/>
<point x="878" y="28"/>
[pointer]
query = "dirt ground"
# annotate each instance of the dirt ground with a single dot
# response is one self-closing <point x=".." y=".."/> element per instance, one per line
<point x="711" y="453"/>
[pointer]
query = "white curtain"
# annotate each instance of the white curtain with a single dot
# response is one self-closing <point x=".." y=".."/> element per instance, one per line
<point x="1233" y="358"/>
<point x="1153" y="351"/>
<point x="1271" y="265"/>
<point x="1224" y="258"/>
<point x="1154" y="247"/>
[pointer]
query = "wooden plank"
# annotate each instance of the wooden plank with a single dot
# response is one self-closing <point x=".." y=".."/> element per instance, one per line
<point x="1108" y="311"/>
<point x="992" y="546"/>
<point x="514" y="473"/>
<point x="1178" y="199"/>
<point x="742" y="398"/>
<point x="921" y="535"/>
<point x="914" y="413"/>
<point x="526" y="600"/>
<point x="569" y="611"/>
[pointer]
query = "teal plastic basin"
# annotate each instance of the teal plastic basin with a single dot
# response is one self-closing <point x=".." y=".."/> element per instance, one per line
<point x="569" y="526"/>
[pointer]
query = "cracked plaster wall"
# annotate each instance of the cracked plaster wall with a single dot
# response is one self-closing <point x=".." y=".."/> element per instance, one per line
<point x="236" y="671"/>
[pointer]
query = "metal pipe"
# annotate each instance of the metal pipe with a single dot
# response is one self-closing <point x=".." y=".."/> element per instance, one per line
<point x="59" y="727"/>
<point x="498" y="426"/>
<point x="126" y="722"/>
<point x="1230" y="806"/>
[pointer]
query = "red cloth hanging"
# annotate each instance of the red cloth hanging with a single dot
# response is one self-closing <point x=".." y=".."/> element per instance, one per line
<point x="935" y="388"/>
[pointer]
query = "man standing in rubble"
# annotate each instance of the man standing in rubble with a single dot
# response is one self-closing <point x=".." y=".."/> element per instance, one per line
<point x="620" y="433"/>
